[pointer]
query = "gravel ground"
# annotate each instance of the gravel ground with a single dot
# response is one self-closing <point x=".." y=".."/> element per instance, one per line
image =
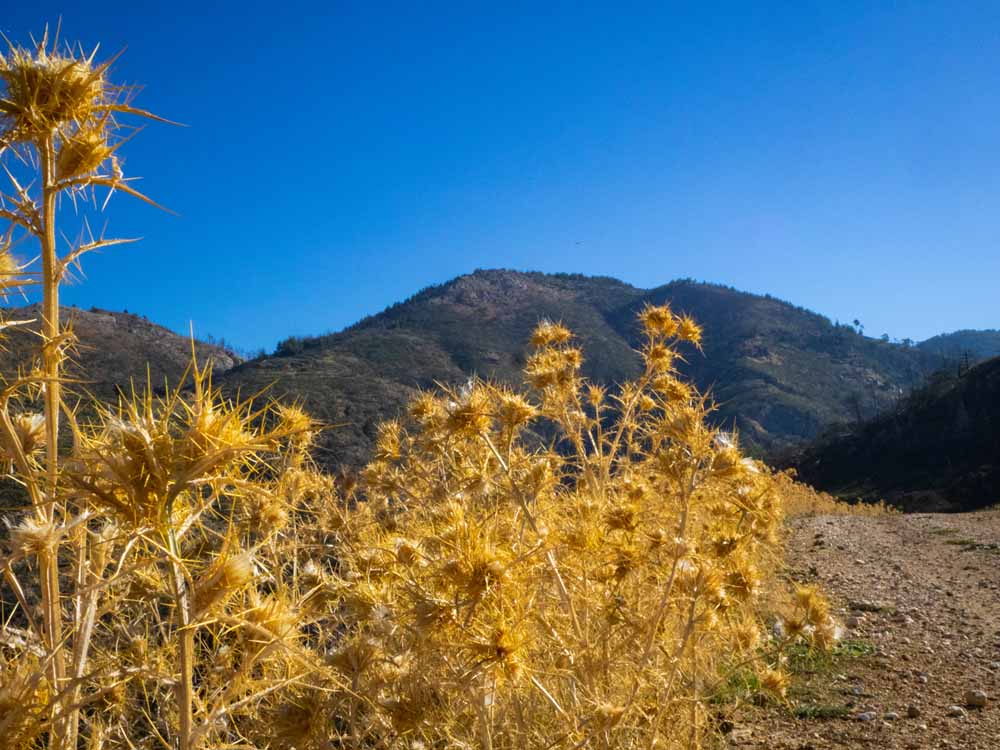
<point x="920" y="596"/>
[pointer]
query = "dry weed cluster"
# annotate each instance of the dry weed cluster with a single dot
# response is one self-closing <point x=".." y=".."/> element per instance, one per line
<point x="564" y="567"/>
<point x="802" y="500"/>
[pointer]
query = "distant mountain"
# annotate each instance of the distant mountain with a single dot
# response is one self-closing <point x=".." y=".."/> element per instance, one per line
<point x="113" y="349"/>
<point x="939" y="450"/>
<point x="974" y="345"/>
<point x="779" y="373"/>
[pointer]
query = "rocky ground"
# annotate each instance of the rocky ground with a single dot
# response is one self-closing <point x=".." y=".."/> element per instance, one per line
<point x="920" y="663"/>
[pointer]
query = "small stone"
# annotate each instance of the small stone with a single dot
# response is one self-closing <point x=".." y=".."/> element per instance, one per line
<point x="867" y="716"/>
<point x="976" y="699"/>
<point x="891" y="716"/>
<point x="741" y="736"/>
<point x="853" y="622"/>
<point x="912" y="711"/>
<point x="957" y="712"/>
<point x="922" y="679"/>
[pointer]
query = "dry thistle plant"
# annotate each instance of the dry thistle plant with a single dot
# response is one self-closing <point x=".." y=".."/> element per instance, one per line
<point x="135" y="561"/>
<point x="200" y="592"/>
<point x="59" y="131"/>
<point x="500" y="593"/>
<point x="802" y="500"/>
<point x="183" y="577"/>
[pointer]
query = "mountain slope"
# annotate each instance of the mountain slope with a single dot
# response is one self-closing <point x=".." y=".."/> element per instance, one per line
<point x="940" y="450"/>
<point x="976" y="345"/>
<point x="113" y="349"/>
<point x="782" y="373"/>
<point x="779" y="373"/>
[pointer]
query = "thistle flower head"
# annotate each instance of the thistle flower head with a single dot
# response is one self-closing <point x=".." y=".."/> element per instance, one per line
<point x="689" y="330"/>
<point x="29" y="428"/>
<point x="468" y="411"/>
<point x="514" y="410"/>
<point x="548" y="333"/>
<point x="48" y="90"/>
<point x="274" y="616"/>
<point x="32" y="536"/>
<point x="774" y="682"/>
<point x="61" y="99"/>
<point x="227" y="575"/>
<point x="658" y="322"/>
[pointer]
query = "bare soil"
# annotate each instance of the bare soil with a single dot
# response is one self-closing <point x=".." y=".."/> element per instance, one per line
<point x="920" y="595"/>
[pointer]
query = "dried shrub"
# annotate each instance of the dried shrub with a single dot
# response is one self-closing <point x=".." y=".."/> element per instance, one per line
<point x="501" y="592"/>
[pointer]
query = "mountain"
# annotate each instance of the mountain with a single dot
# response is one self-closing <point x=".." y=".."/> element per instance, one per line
<point x="974" y="345"/>
<point x="939" y="450"/>
<point x="113" y="349"/>
<point x="779" y="373"/>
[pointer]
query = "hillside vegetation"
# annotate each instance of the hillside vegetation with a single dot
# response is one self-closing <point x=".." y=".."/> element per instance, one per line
<point x="778" y="373"/>
<point x="974" y="345"/>
<point x="939" y="450"/>
<point x="113" y="350"/>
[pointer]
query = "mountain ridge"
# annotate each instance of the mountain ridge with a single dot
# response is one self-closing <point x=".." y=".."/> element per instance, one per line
<point x="966" y="344"/>
<point x="779" y="372"/>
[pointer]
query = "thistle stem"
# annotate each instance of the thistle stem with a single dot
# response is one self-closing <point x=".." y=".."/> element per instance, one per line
<point x="48" y="562"/>
<point x="185" y="687"/>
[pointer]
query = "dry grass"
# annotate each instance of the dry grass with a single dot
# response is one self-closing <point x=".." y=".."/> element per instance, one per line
<point x="802" y="500"/>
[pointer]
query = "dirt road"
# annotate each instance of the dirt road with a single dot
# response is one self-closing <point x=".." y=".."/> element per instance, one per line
<point x="920" y="595"/>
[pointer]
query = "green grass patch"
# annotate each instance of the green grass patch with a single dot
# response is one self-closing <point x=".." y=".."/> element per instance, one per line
<point x="971" y="545"/>
<point x="820" y="712"/>
<point x="813" y="696"/>
<point x="804" y="660"/>
<point x="961" y="542"/>
<point x="742" y="684"/>
<point x="810" y="693"/>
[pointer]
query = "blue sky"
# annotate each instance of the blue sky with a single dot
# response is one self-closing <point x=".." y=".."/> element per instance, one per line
<point x="341" y="156"/>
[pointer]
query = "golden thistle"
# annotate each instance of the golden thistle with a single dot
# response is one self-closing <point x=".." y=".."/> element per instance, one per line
<point x="23" y="700"/>
<point x="48" y="90"/>
<point x="32" y="536"/>
<point x="775" y="682"/>
<point x="550" y="334"/>
<point x="468" y="412"/>
<point x="30" y="431"/>
<point x="224" y="578"/>
<point x="273" y="615"/>
<point x="688" y="330"/>
<point x="83" y="151"/>
<point x="658" y="322"/>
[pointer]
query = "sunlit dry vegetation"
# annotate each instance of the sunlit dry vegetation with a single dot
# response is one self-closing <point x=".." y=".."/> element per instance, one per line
<point x="802" y="500"/>
<point x="561" y="566"/>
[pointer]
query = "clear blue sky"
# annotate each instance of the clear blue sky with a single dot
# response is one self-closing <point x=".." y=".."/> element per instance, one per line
<point x="841" y="155"/>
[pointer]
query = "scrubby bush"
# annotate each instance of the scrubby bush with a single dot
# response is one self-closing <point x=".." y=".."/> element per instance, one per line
<point x="502" y="592"/>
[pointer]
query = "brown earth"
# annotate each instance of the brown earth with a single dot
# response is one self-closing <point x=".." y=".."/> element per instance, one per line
<point x="920" y="598"/>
